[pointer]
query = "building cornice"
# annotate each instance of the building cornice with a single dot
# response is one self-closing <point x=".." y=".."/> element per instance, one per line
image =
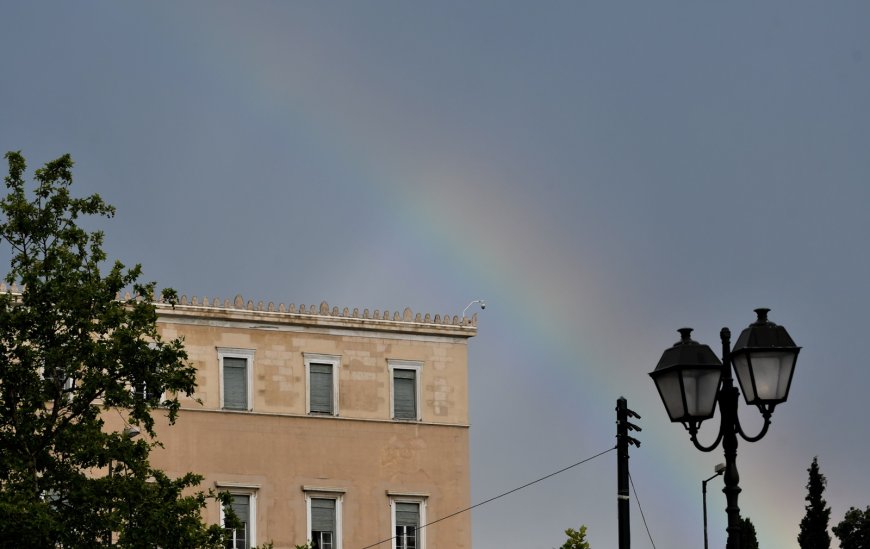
<point x="239" y="310"/>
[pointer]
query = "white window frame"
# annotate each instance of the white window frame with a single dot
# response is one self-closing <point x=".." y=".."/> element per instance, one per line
<point x="69" y="384"/>
<point x="336" y="494"/>
<point x="235" y="489"/>
<point x="335" y="362"/>
<point x="415" y="365"/>
<point x="144" y="394"/>
<point x="248" y="355"/>
<point x="420" y="499"/>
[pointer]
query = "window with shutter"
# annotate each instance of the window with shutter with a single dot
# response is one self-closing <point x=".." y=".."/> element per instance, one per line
<point x="236" y="369"/>
<point x="324" y="517"/>
<point x="239" y="538"/>
<point x="320" y="379"/>
<point x="321" y="373"/>
<point x="323" y="523"/>
<point x="407" y="519"/>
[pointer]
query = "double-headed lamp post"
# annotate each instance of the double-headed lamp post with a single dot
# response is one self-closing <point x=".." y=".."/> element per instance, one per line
<point x="691" y="379"/>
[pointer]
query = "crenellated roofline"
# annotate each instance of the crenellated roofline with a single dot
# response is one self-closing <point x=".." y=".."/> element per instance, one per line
<point x="269" y="313"/>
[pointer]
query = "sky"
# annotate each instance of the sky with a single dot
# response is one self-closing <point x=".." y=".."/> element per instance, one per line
<point x="601" y="173"/>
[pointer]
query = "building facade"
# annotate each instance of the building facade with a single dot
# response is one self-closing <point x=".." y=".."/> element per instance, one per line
<point x="345" y="428"/>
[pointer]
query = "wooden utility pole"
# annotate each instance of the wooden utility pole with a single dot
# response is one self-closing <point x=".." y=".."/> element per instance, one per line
<point x="623" y="440"/>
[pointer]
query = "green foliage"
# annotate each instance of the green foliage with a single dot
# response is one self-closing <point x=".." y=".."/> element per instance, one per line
<point x="271" y="545"/>
<point x="814" y="526"/>
<point x="70" y="353"/>
<point x="854" y="530"/>
<point x="576" y="539"/>
<point x="748" y="537"/>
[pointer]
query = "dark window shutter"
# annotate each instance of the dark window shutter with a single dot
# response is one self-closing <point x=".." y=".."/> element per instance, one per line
<point x="322" y="515"/>
<point x="242" y="508"/>
<point x="235" y="383"/>
<point x="320" y="378"/>
<point x="404" y="394"/>
<point x="408" y="514"/>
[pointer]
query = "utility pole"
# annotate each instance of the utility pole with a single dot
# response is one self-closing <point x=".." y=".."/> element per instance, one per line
<point x="623" y="440"/>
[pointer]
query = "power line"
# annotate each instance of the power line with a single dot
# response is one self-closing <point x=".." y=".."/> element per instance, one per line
<point x="639" y="506"/>
<point x="500" y="495"/>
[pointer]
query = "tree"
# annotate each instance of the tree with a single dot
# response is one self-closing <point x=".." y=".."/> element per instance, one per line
<point x="576" y="539"/>
<point x="814" y="526"/>
<point x="854" y="530"/>
<point x="748" y="537"/>
<point x="71" y="353"/>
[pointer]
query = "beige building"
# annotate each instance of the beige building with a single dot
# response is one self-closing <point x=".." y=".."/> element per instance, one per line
<point x="346" y="428"/>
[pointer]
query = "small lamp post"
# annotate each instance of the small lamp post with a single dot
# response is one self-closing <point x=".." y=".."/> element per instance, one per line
<point x="691" y="379"/>
<point x="719" y="470"/>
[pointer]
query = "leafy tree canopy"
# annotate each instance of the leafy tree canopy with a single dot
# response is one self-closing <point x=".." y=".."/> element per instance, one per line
<point x="854" y="530"/>
<point x="814" y="526"/>
<point x="71" y="354"/>
<point x="576" y="539"/>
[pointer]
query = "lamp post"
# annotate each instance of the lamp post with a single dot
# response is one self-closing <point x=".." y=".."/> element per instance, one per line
<point x="691" y="379"/>
<point x="719" y="470"/>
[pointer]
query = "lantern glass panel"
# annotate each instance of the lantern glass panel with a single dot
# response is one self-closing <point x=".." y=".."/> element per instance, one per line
<point x="741" y="368"/>
<point x="772" y="371"/>
<point x="669" y="388"/>
<point x="701" y="386"/>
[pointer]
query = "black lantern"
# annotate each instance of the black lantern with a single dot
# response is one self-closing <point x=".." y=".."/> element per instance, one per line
<point x="687" y="377"/>
<point x="764" y="357"/>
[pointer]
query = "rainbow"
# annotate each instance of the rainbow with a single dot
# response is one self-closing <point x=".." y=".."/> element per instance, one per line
<point x="563" y="306"/>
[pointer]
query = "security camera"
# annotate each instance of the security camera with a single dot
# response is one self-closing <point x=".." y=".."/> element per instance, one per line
<point x="480" y="302"/>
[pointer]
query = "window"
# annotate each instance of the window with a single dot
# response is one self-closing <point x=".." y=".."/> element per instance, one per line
<point x="321" y="372"/>
<point x="243" y="505"/>
<point x="408" y="516"/>
<point x="322" y="523"/>
<point x="236" y="367"/>
<point x="141" y="391"/>
<point x="324" y="517"/>
<point x="405" y="385"/>
<point x="64" y="384"/>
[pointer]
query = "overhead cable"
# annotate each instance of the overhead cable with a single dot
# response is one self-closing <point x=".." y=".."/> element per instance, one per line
<point x="500" y="495"/>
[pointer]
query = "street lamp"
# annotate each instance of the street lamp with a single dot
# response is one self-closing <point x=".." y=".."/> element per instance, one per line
<point x="719" y="470"/>
<point x="691" y="379"/>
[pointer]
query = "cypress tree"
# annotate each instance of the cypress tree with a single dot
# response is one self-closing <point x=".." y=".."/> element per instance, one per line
<point x="748" y="537"/>
<point x="814" y="525"/>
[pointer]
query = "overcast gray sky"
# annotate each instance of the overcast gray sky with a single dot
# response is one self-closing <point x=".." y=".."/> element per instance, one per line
<point x="602" y="173"/>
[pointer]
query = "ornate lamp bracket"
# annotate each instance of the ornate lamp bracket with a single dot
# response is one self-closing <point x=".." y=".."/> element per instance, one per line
<point x="692" y="427"/>
<point x="766" y="411"/>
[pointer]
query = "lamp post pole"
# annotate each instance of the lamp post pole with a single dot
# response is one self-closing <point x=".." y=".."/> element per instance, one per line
<point x="719" y="470"/>
<point x="691" y="380"/>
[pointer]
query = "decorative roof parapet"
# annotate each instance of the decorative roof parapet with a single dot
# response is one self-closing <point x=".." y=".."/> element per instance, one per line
<point x="407" y="316"/>
<point x="194" y="303"/>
